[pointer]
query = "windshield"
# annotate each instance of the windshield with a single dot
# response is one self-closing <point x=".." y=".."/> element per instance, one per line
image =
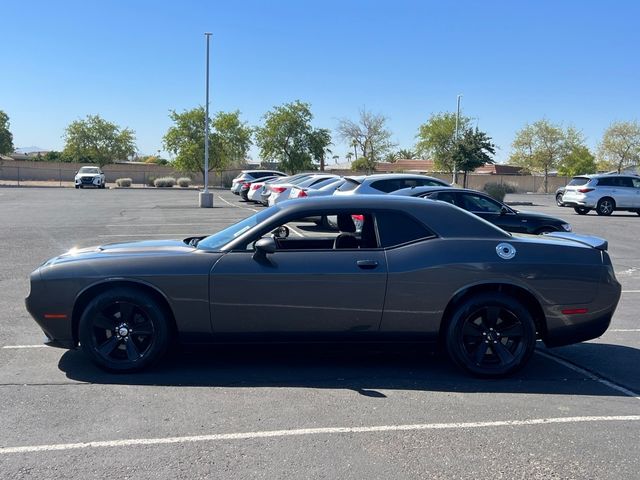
<point x="220" y="239"/>
<point x="578" y="181"/>
<point x="89" y="170"/>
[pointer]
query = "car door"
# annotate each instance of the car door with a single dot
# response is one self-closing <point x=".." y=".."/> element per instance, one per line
<point x="636" y="190"/>
<point x="625" y="195"/>
<point x="299" y="291"/>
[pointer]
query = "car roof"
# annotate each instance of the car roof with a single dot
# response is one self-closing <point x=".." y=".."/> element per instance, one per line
<point x="445" y="219"/>
<point x="388" y="176"/>
<point x="257" y="171"/>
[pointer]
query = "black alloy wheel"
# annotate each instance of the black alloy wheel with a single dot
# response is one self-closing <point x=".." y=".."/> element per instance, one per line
<point x="124" y="330"/>
<point x="581" y="210"/>
<point x="559" y="199"/>
<point x="491" y="335"/>
<point x="605" y="206"/>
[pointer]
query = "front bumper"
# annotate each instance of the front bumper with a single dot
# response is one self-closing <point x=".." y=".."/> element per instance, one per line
<point x="89" y="182"/>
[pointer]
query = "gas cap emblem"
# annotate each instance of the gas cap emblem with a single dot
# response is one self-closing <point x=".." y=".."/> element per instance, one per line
<point x="506" y="251"/>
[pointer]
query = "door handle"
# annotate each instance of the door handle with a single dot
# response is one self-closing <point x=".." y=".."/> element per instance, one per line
<point x="367" y="264"/>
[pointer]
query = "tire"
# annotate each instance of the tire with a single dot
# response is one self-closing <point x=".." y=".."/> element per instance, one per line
<point x="543" y="230"/>
<point x="77" y="186"/>
<point x="483" y="322"/>
<point x="581" y="210"/>
<point x="559" y="199"/>
<point x="605" y="206"/>
<point x="108" y="327"/>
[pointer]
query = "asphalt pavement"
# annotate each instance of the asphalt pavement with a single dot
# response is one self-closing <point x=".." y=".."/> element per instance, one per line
<point x="288" y="412"/>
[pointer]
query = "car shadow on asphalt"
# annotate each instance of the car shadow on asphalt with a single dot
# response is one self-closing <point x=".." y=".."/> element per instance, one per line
<point x="367" y="370"/>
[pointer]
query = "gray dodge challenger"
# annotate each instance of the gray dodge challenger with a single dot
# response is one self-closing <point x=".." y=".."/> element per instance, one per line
<point x="398" y="269"/>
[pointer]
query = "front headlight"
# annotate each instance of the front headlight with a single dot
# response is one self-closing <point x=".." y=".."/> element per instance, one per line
<point x="567" y="227"/>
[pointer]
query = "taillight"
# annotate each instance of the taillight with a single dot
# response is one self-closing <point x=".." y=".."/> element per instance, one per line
<point x="585" y="190"/>
<point x="301" y="193"/>
<point x="574" y="311"/>
<point x="255" y="186"/>
<point x="358" y="218"/>
<point x="278" y="189"/>
<point x="246" y="184"/>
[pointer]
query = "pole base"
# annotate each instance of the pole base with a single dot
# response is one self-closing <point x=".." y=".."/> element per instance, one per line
<point x="205" y="199"/>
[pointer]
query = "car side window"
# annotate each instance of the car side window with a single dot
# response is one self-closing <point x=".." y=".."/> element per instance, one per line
<point x="478" y="203"/>
<point x="387" y="186"/>
<point x="606" y="182"/>
<point x="626" y="182"/>
<point x="448" y="197"/>
<point x="636" y="182"/>
<point x="395" y="228"/>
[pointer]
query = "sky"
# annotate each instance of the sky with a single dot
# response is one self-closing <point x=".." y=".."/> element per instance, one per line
<point x="576" y="63"/>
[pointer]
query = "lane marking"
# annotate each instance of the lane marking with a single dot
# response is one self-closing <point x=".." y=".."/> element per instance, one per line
<point x="314" y="431"/>
<point x="25" y="346"/>
<point x="589" y="374"/>
<point x="236" y="206"/>
<point x="630" y="291"/>
<point x="624" y="330"/>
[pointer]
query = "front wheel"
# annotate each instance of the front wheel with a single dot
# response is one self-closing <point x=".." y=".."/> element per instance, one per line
<point x="581" y="210"/>
<point x="559" y="199"/>
<point x="124" y="330"/>
<point x="491" y="335"/>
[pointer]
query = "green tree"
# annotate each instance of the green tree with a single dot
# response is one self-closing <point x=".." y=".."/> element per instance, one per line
<point x="541" y="146"/>
<point x="319" y="141"/>
<point x="234" y="136"/>
<point x="95" y="140"/>
<point x="6" y="137"/>
<point x="437" y="139"/>
<point x="472" y="150"/>
<point x="620" y="146"/>
<point x="288" y="137"/>
<point x="229" y="139"/>
<point x="578" y="161"/>
<point x="360" y="164"/>
<point x="369" y="135"/>
<point x="405" y="154"/>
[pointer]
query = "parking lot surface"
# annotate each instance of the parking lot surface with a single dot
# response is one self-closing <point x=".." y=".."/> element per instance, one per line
<point x="293" y="412"/>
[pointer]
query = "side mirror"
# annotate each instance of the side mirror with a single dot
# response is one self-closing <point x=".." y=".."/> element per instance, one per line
<point x="504" y="210"/>
<point x="265" y="246"/>
<point x="281" y="232"/>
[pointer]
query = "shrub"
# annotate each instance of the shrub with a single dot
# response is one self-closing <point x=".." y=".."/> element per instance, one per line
<point x="184" y="182"/>
<point x="124" y="182"/>
<point x="495" y="190"/>
<point x="164" y="182"/>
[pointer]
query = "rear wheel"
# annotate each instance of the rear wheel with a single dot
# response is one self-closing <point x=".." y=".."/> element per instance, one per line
<point x="581" y="210"/>
<point x="559" y="199"/>
<point x="491" y="335"/>
<point x="605" y="206"/>
<point x="124" y="330"/>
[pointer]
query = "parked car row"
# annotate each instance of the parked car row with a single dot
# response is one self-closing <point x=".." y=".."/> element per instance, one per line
<point x="274" y="190"/>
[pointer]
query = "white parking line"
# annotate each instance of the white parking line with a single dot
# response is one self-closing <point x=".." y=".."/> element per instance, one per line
<point x="590" y="375"/>
<point x="630" y="291"/>
<point x="177" y="235"/>
<point x="623" y="330"/>
<point x="237" y="206"/>
<point x="315" y="431"/>
<point x="25" y="346"/>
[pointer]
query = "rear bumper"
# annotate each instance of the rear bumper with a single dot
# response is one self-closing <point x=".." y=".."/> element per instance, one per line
<point x="576" y="333"/>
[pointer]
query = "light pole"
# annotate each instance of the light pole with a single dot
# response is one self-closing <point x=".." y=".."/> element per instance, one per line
<point x="455" y="166"/>
<point x="206" y="197"/>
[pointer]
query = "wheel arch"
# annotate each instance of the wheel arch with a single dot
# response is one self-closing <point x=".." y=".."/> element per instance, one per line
<point x="521" y="294"/>
<point x="85" y="296"/>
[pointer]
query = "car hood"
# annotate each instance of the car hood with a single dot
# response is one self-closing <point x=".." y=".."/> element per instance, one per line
<point x="147" y="247"/>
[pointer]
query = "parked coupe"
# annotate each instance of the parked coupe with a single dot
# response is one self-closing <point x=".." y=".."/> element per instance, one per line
<point x="418" y="270"/>
<point x="491" y="209"/>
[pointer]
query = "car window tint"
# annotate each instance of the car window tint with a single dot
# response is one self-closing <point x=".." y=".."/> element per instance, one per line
<point x="578" y="181"/>
<point x="478" y="203"/>
<point x="606" y="182"/>
<point x="448" y="197"/>
<point x="388" y="186"/>
<point x="626" y="182"/>
<point x="428" y="182"/>
<point x="396" y="228"/>
<point x="348" y="185"/>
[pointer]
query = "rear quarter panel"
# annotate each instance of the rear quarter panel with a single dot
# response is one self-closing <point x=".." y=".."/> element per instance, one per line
<point x="425" y="276"/>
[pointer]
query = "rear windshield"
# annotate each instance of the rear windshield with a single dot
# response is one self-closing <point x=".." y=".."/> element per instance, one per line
<point x="578" y="181"/>
<point x="348" y="185"/>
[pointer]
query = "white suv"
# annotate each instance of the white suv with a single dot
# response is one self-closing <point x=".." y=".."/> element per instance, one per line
<point x="250" y="176"/>
<point x="386" y="183"/>
<point x="604" y="194"/>
<point x="90" y="177"/>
